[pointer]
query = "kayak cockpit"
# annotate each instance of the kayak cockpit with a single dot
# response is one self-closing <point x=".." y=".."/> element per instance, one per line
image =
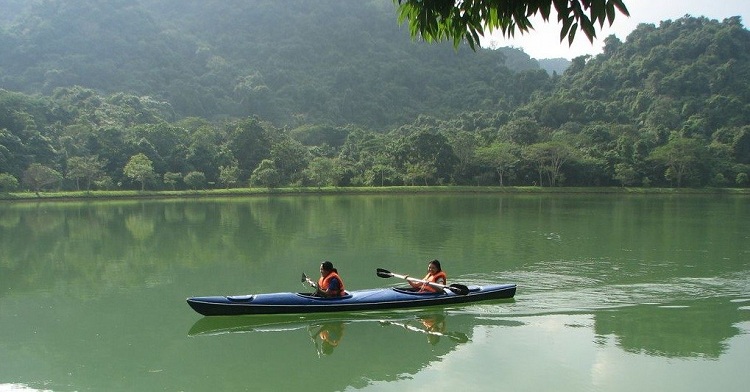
<point x="317" y="297"/>
<point x="416" y="292"/>
<point x="240" y="298"/>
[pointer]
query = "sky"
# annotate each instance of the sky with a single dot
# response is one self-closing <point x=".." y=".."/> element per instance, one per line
<point x="544" y="42"/>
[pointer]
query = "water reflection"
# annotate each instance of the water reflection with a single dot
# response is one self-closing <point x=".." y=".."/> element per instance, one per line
<point x="434" y="326"/>
<point x="327" y="333"/>
<point x="365" y="347"/>
<point x="326" y="337"/>
<point x="92" y="294"/>
<point x="700" y="328"/>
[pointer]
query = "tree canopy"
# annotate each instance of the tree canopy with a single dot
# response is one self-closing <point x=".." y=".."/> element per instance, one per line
<point x="467" y="20"/>
<point x="666" y="107"/>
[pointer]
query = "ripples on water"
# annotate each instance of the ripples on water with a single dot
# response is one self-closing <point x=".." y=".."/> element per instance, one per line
<point x="19" y="388"/>
<point x="541" y="292"/>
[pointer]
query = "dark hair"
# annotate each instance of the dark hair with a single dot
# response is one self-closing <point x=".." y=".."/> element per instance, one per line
<point x="328" y="266"/>
<point x="326" y="348"/>
<point x="437" y="264"/>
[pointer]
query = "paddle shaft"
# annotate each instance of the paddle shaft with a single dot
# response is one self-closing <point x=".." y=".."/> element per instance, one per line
<point x="455" y="288"/>
<point x="422" y="281"/>
<point x="460" y="339"/>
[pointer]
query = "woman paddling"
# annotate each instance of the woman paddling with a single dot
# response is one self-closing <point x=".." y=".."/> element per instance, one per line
<point x="330" y="283"/>
<point x="435" y="274"/>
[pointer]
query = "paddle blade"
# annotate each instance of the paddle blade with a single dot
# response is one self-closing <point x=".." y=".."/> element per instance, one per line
<point x="457" y="336"/>
<point x="458" y="289"/>
<point x="384" y="273"/>
<point x="304" y="278"/>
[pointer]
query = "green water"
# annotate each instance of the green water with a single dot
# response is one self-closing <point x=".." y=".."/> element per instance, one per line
<point x="614" y="293"/>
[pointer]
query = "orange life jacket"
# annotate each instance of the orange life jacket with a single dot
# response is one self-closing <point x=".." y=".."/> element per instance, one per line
<point x="323" y="283"/>
<point x="433" y="324"/>
<point x="325" y="335"/>
<point x="434" y="279"/>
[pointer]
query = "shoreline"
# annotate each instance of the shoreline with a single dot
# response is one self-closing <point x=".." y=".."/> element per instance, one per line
<point x="394" y="190"/>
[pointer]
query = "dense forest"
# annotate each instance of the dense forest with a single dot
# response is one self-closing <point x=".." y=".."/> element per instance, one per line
<point x="175" y="94"/>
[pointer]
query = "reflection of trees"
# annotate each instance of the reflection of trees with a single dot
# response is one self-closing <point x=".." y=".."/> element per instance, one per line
<point x="229" y="217"/>
<point x="265" y="236"/>
<point x="108" y="244"/>
<point x="44" y="219"/>
<point x="140" y="226"/>
<point x="195" y="213"/>
<point x="356" y="220"/>
<point x="698" y="329"/>
<point x="9" y="218"/>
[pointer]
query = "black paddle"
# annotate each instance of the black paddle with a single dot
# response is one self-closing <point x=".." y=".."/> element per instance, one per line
<point x="455" y="288"/>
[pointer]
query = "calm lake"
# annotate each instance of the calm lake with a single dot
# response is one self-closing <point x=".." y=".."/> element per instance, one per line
<point x="615" y="293"/>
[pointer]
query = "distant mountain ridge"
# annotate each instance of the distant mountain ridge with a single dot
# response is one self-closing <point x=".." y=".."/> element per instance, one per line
<point x="552" y="66"/>
<point x="326" y="61"/>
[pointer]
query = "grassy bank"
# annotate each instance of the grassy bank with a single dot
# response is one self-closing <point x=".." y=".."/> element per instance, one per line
<point x="105" y="195"/>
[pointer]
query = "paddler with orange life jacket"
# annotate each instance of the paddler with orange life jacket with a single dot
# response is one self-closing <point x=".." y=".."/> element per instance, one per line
<point x="329" y="283"/>
<point x="435" y="274"/>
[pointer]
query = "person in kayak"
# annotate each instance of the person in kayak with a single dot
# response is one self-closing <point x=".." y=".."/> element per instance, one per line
<point x="330" y="283"/>
<point x="435" y="274"/>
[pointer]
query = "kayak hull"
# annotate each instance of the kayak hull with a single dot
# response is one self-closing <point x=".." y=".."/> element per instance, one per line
<point x="361" y="300"/>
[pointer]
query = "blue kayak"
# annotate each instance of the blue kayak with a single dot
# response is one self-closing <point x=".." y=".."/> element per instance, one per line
<point x="360" y="300"/>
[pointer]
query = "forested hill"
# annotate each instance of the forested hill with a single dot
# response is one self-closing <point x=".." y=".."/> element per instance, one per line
<point x="167" y="94"/>
<point x="691" y="75"/>
<point x="290" y="62"/>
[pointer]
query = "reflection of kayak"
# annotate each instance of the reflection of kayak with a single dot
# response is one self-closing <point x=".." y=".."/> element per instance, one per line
<point x="373" y="299"/>
<point x="272" y="323"/>
<point x="429" y="328"/>
<point x="428" y="323"/>
<point x="357" y="334"/>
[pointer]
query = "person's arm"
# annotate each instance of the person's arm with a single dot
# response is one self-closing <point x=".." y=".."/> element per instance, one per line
<point x="416" y="285"/>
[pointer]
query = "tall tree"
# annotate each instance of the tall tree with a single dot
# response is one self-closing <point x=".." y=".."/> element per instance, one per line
<point x="424" y="149"/>
<point x="249" y="142"/>
<point x="195" y="180"/>
<point x="139" y="168"/>
<point x="38" y="176"/>
<point x="548" y="158"/>
<point x="290" y="158"/>
<point x="8" y="183"/>
<point x="501" y="157"/>
<point x="266" y="174"/>
<point x="229" y="175"/>
<point x="680" y="157"/>
<point x="85" y="168"/>
<point x="323" y="171"/>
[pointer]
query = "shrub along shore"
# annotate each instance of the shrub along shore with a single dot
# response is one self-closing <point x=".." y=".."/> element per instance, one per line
<point x="232" y="192"/>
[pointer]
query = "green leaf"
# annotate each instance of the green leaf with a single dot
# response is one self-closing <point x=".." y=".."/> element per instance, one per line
<point x="610" y="13"/>
<point x="621" y="7"/>
<point x="598" y="11"/>
<point x="572" y="33"/>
